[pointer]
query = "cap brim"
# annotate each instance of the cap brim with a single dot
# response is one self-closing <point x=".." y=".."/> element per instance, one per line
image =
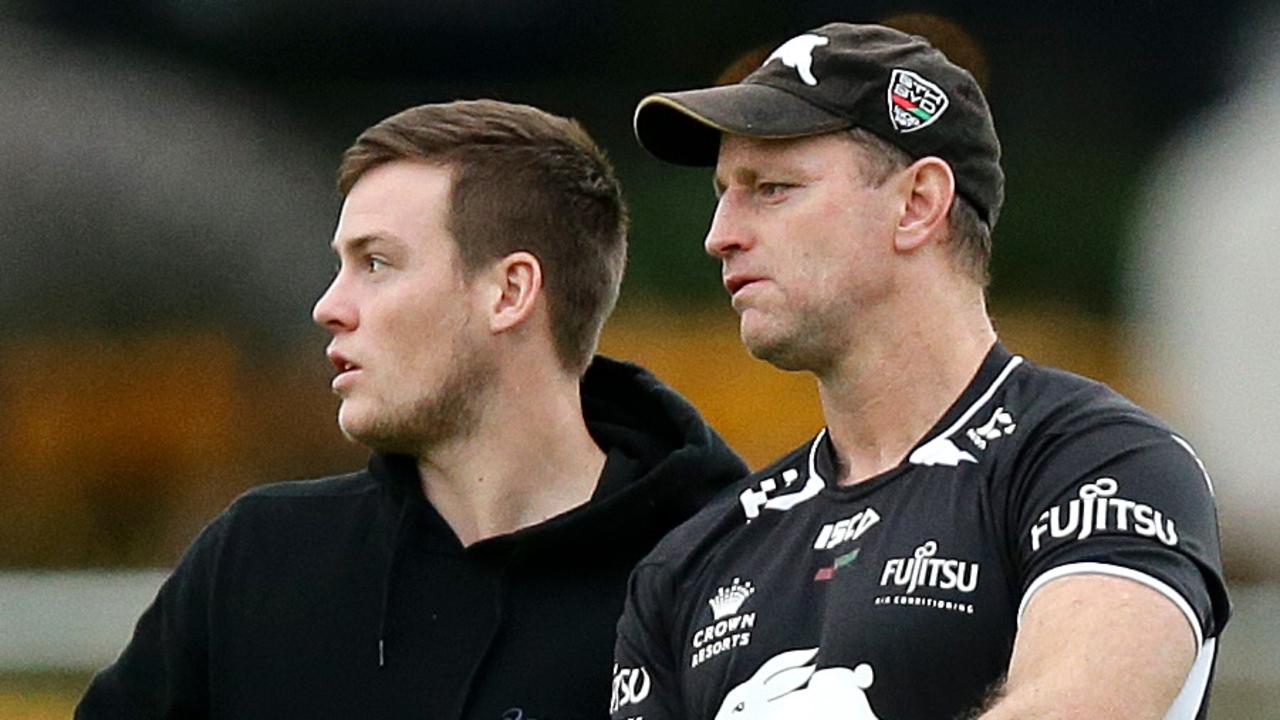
<point x="685" y="127"/>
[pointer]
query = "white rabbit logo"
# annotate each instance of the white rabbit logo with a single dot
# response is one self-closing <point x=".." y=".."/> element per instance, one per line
<point x="789" y="686"/>
<point x="798" y="53"/>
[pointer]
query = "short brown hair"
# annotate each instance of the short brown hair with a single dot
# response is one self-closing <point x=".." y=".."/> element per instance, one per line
<point x="969" y="237"/>
<point x="523" y="179"/>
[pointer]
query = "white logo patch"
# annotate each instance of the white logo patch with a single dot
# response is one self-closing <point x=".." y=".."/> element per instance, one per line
<point x="630" y="686"/>
<point x="914" y="103"/>
<point x="798" y="53"/>
<point x="851" y="528"/>
<point x="755" y="499"/>
<point x="728" y="601"/>
<point x="730" y="629"/>
<point x="943" y="450"/>
<point x="1000" y="424"/>
<point x="790" y="685"/>
<point x="940" y="451"/>
<point x="923" y="570"/>
<point x="1095" y="508"/>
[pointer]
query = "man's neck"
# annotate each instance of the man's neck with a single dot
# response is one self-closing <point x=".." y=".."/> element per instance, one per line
<point x="888" y="391"/>
<point x="529" y="459"/>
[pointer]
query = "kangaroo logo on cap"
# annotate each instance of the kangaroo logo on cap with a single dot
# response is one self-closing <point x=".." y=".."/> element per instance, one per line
<point x="798" y="53"/>
<point x="914" y="102"/>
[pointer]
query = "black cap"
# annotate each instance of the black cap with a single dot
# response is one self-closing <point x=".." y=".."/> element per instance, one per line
<point x="836" y="77"/>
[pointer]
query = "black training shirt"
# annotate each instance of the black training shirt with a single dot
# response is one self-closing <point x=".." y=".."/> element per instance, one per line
<point x="898" y="598"/>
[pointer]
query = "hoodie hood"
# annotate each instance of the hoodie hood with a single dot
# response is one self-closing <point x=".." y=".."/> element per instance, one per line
<point x="664" y="461"/>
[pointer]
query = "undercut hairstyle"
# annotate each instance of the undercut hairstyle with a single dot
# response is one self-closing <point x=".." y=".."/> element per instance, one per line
<point x="523" y="180"/>
<point x="968" y="237"/>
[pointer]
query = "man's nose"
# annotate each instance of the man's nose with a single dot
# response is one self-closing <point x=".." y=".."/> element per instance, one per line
<point x="729" y="232"/>
<point x="334" y="311"/>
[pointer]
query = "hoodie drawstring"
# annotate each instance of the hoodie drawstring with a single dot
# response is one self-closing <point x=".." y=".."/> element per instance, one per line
<point x="389" y="578"/>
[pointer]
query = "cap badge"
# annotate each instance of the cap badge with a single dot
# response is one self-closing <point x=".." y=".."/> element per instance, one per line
<point x="798" y="53"/>
<point x="914" y="102"/>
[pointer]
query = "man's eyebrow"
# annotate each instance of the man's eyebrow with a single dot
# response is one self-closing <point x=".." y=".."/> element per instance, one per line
<point x="746" y="174"/>
<point x="357" y="244"/>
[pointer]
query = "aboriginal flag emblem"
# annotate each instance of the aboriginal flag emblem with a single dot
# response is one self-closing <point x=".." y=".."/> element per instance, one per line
<point x="914" y="102"/>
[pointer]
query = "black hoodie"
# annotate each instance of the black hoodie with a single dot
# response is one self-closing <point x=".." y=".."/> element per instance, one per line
<point x="350" y="597"/>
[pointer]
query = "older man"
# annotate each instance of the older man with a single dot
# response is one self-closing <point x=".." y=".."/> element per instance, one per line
<point x="971" y="534"/>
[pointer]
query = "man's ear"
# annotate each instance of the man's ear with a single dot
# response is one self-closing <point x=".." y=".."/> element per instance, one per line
<point x="931" y="186"/>
<point x="518" y="282"/>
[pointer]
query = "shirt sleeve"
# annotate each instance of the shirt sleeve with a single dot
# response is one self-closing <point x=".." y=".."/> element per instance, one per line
<point x="1119" y="496"/>
<point x="163" y="671"/>
<point x="645" y="678"/>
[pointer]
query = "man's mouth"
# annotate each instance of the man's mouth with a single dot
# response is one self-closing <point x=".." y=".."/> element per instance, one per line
<point x="735" y="282"/>
<point x="343" y="365"/>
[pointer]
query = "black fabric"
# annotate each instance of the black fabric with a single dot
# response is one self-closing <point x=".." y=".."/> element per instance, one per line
<point x="898" y="597"/>
<point x="839" y="76"/>
<point x="350" y="597"/>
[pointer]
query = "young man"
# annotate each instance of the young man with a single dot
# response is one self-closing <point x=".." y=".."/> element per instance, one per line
<point x="477" y="567"/>
<point x="971" y="534"/>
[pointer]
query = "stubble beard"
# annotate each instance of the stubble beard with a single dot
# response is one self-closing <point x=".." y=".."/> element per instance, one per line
<point x="449" y="414"/>
<point x="797" y="347"/>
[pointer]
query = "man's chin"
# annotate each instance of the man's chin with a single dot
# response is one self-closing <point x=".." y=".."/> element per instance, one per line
<point x="774" y="353"/>
<point x="363" y="430"/>
<point x="380" y="442"/>
<point x="774" y="348"/>
<point x="354" y="432"/>
<point x="760" y="343"/>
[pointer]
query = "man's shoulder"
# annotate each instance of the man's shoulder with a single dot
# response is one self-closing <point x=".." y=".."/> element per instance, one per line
<point x="353" y="483"/>
<point x="269" y="526"/>
<point x="316" y="500"/>
<point x="1055" y="400"/>
<point x="1064" y="427"/>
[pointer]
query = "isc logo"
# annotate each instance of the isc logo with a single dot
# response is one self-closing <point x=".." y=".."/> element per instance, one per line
<point x="630" y="686"/>
<point x="850" y="528"/>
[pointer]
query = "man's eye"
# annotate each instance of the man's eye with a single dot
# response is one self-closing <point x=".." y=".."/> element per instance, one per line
<point x="771" y="189"/>
<point x="373" y="263"/>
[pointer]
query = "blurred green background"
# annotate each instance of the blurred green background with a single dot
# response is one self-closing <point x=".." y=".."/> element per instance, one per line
<point x="168" y="200"/>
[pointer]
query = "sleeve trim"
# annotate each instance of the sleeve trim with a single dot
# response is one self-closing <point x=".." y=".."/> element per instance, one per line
<point x="1203" y="471"/>
<point x="1186" y="706"/>
<point x="1095" y="568"/>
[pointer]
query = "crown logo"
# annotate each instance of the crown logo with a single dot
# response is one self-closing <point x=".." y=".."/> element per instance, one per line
<point x="729" y="599"/>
